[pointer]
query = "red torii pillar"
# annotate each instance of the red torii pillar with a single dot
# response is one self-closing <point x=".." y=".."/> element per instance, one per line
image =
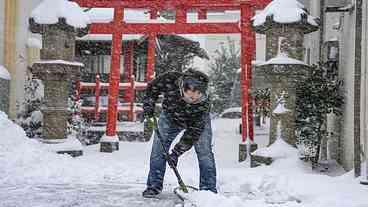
<point x="110" y="142"/>
<point x="248" y="47"/>
<point x="151" y="57"/>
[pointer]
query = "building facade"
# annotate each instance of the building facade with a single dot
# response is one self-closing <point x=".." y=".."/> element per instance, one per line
<point x="340" y="28"/>
<point x="15" y="52"/>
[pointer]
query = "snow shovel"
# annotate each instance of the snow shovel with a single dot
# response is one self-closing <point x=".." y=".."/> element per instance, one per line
<point x="182" y="186"/>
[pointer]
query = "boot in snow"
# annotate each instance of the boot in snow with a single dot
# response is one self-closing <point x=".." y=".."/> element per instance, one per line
<point x="150" y="193"/>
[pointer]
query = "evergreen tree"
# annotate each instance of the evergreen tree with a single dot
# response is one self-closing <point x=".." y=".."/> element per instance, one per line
<point x="317" y="96"/>
<point x="224" y="77"/>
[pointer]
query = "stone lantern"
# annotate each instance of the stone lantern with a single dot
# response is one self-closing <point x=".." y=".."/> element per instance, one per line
<point x="284" y="22"/>
<point x="57" y="68"/>
<point x="284" y="73"/>
<point x="4" y="89"/>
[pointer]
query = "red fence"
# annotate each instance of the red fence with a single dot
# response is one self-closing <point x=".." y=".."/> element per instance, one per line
<point x="129" y="106"/>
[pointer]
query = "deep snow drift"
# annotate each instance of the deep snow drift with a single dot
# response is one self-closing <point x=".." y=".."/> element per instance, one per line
<point x="288" y="182"/>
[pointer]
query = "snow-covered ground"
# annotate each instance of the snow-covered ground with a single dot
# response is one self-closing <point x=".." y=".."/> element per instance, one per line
<point x="32" y="175"/>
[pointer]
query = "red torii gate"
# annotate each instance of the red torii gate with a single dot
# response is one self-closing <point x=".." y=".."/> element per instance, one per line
<point x="118" y="27"/>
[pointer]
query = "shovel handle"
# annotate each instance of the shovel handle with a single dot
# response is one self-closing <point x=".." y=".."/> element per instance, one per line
<point x="169" y="161"/>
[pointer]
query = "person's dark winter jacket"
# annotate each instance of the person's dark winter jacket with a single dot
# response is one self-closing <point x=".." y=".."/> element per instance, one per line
<point x="191" y="117"/>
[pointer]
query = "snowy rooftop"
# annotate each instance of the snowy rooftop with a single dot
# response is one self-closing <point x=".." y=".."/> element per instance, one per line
<point x="283" y="11"/>
<point x="49" y="12"/>
<point x="108" y="37"/>
<point x="4" y="74"/>
<point x="282" y="59"/>
<point x="105" y="15"/>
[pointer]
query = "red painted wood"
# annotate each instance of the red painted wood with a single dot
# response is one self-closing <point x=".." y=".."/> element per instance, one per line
<point x="97" y="98"/>
<point x="153" y="13"/>
<point x="252" y="50"/>
<point x="79" y="90"/>
<point x="151" y="57"/>
<point x="165" y="28"/>
<point x="202" y="13"/>
<point x="128" y="67"/>
<point x="132" y="99"/>
<point x="169" y="3"/>
<point x="246" y="64"/>
<point x="181" y="16"/>
<point x="114" y="81"/>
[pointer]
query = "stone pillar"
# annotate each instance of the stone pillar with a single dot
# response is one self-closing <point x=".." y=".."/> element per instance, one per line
<point x="58" y="43"/>
<point x="292" y="39"/>
<point x="9" y="51"/>
<point x="272" y="44"/>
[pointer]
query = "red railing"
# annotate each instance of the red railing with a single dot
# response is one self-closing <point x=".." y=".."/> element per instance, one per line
<point x="130" y="107"/>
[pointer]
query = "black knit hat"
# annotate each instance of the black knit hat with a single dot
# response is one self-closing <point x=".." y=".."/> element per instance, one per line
<point x="195" y="80"/>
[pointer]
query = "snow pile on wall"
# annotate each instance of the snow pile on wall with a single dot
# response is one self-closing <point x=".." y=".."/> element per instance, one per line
<point x="282" y="59"/>
<point x="283" y="11"/>
<point x="20" y="155"/>
<point x="33" y="42"/>
<point x="4" y="74"/>
<point x="49" y="12"/>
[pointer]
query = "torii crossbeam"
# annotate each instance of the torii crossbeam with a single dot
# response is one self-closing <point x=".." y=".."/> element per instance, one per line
<point x="118" y="28"/>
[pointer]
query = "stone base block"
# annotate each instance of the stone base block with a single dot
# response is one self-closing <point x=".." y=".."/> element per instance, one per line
<point x="256" y="160"/>
<point x="70" y="146"/>
<point x="73" y="153"/>
<point x="243" y="151"/>
<point x="364" y="182"/>
<point x="109" y="146"/>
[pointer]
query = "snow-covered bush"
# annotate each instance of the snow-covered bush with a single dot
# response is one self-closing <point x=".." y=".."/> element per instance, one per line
<point x="29" y="115"/>
<point x="317" y="96"/>
<point x="77" y="125"/>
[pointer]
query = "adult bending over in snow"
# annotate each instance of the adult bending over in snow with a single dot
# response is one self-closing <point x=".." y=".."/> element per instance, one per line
<point x="185" y="107"/>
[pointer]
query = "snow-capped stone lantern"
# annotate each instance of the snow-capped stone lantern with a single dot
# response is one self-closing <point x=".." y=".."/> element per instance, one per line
<point x="57" y="68"/>
<point x="284" y="22"/>
<point x="4" y="89"/>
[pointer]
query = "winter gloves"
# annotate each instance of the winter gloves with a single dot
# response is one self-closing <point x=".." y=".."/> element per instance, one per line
<point x="149" y="118"/>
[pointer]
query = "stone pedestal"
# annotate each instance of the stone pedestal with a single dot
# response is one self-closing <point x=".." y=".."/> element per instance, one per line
<point x="4" y="97"/>
<point x="364" y="182"/>
<point x="243" y="150"/>
<point x="257" y="160"/>
<point x="57" y="79"/>
<point x="109" y="144"/>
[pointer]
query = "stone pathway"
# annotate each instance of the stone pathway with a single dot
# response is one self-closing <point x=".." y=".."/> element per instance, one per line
<point x="74" y="195"/>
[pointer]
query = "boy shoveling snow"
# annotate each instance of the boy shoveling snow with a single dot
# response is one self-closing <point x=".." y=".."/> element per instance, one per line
<point x="185" y="107"/>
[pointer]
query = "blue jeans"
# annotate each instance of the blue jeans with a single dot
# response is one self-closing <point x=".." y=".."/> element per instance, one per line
<point x="203" y="148"/>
